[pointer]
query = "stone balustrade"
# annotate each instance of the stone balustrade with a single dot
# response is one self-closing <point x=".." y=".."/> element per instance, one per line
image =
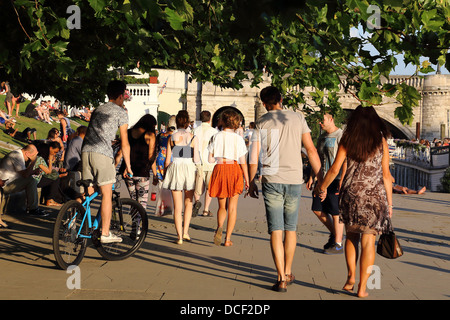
<point x="415" y="165"/>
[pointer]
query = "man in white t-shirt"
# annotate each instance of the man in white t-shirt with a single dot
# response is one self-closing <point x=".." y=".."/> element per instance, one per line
<point x="204" y="133"/>
<point x="18" y="176"/>
<point x="278" y="140"/>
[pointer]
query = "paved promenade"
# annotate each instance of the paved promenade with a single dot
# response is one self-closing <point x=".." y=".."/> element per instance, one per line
<point x="199" y="271"/>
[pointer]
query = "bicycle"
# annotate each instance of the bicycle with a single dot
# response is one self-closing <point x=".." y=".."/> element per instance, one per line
<point x="75" y="225"/>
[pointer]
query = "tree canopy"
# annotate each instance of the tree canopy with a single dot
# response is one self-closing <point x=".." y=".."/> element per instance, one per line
<point x="300" y="43"/>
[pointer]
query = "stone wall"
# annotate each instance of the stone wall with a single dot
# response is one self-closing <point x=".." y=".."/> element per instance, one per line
<point x="432" y="112"/>
<point x="206" y="96"/>
<point x="436" y="106"/>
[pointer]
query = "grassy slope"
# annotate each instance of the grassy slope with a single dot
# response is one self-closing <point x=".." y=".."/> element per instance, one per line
<point x="42" y="128"/>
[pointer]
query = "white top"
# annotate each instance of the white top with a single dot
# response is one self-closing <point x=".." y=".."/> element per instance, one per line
<point x="228" y="145"/>
<point x="183" y="139"/>
<point x="11" y="165"/>
<point x="204" y="133"/>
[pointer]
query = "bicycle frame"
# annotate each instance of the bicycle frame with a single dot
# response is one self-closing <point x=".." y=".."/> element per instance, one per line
<point x="92" y="225"/>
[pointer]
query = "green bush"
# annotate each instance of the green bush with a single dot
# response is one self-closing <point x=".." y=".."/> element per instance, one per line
<point x="133" y="80"/>
<point x="154" y="73"/>
<point x="445" y="181"/>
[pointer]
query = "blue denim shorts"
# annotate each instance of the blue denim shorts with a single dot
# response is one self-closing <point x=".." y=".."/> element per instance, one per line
<point x="282" y="202"/>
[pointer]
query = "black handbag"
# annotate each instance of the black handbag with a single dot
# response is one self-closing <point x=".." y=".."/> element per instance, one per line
<point x="389" y="246"/>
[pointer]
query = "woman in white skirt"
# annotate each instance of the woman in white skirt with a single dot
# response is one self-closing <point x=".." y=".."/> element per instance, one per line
<point x="180" y="173"/>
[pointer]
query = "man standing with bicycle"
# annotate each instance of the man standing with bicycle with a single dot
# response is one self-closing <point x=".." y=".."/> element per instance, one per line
<point x="97" y="154"/>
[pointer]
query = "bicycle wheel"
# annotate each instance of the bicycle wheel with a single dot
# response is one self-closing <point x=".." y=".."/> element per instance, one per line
<point x="132" y="230"/>
<point x="68" y="247"/>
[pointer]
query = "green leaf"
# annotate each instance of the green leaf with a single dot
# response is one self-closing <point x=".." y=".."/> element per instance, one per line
<point x="409" y="98"/>
<point x="18" y="3"/>
<point x="432" y="21"/>
<point x="217" y="61"/>
<point x="175" y="20"/>
<point x="216" y="50"/>
<point x="65" y="33"/>
<point x="35" y="45"/>
<point x="97" y="5"/>
<point x="309" y="60"/>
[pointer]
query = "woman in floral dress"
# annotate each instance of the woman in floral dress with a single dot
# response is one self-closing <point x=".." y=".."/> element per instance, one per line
<point x="365" y="199"/>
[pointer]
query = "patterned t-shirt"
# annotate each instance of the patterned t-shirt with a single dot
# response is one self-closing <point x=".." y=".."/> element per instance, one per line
<point x="327" y="147"/>
<point x="102" y="129"/>
<point x="39" y="161"/>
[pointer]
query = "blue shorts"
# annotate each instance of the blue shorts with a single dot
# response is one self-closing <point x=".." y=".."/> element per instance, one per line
<point x="282" y="202"/>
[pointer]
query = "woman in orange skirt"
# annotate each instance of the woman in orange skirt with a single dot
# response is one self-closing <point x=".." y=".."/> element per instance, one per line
<point x="228" y="150"/>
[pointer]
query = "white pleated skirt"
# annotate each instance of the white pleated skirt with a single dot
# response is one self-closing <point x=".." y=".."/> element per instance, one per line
<point x="180" y="175"/>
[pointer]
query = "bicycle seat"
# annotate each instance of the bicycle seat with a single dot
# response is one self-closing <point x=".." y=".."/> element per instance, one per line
<point x="85" y="183"/>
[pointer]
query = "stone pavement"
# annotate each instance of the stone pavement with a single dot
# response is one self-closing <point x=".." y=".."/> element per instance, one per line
<point x="200" y="271"/>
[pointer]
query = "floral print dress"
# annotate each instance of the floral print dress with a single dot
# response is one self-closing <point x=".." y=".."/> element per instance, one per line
<point x="161" y="152"/>
<point x="363" y="202"/>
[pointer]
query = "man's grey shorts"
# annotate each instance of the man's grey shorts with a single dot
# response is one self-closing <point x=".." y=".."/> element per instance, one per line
<point x="98" y="167"/>
<point x="282" y="202"/>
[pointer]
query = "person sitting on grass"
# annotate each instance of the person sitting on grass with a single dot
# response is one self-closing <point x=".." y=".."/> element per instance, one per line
<point x="24" y="135"/>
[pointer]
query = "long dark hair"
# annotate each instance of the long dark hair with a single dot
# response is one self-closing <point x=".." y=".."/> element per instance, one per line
<point x="146" y="122"/>
<point x="364" y="134"/>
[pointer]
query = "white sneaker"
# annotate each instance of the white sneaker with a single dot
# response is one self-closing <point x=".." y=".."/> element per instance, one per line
<point x="111" y="238"/>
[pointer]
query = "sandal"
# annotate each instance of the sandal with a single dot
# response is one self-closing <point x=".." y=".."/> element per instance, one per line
<point x="207" y="213"/>
<point x="280" y="286"/>
<point x="290" y="278"/>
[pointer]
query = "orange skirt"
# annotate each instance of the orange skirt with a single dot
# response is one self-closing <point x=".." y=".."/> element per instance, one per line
<point x="226" y="180"/>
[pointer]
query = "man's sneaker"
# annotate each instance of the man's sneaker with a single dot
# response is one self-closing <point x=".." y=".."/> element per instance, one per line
<point x="38" y="213"/>
<point x="336" y="249"/>
<point x="110" y="238"/>
<point x="330" y="242"/>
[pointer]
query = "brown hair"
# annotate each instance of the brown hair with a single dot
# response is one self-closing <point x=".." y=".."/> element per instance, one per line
<point x="364" y="134"/>
<point x="205" y="116"/>
<point x="53" y="133"/>
<point x="182" y="119"/>
<point x="81" y="130"/>
<point x="230" y="119"/>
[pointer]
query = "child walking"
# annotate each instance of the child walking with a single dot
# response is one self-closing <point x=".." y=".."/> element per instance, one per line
<point x="180" y="173"/>
<point x="227" y="180"/>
